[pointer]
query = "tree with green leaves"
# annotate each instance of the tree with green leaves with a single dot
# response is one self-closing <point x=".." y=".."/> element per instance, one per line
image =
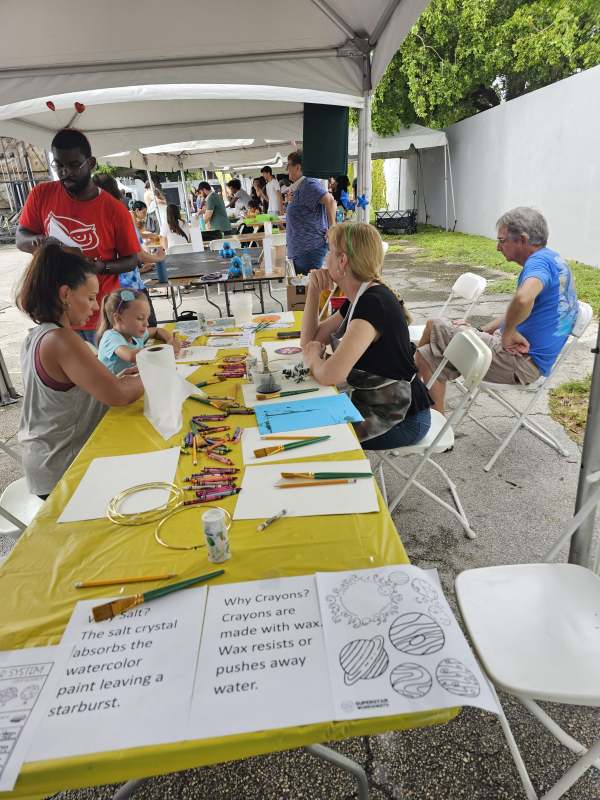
<point x="466" y="56"/>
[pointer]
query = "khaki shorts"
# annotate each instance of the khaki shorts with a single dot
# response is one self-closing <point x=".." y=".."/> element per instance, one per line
<point x="505" y="367"/>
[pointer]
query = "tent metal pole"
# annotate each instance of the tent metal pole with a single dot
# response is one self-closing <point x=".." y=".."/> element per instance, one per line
<point x="6" y="177"/>
<point x="451" y="185"/>
<point x="581" y="549"/>
<point x="33" y="70"/>
<point x="185" y="199"/>
<point x="446" y="182"/>
<point x="151" y="182"/>
<point x="364" y="155"/>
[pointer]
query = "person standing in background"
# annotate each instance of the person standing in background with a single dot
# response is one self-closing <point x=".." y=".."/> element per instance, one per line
<point x="310" y="212"/>
<point x="215" y="216"/>
<point x="239" y="198"/>
<point x="259" y="193"/>
<point x="80" y="217"/>
<point x="273" y="194"/>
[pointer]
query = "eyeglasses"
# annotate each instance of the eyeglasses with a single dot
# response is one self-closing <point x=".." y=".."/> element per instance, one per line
<point x="61" y="168"/>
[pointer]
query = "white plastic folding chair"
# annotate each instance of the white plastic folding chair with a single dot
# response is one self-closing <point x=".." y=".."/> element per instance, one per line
<point x="467" y="286"/>
<point x="217" y="244"/>
<point x="17" y="508"/>
<point x="174" y="249"/>
<point x="471" y="357"/>
<point x="534" y="390"/>
<point x="535" y="630"/>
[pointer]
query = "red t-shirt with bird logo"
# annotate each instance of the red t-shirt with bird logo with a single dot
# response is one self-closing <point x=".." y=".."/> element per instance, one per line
<point x="102" y="228"/>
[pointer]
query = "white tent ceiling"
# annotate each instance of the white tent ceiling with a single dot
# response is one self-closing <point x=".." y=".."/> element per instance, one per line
<point x="190" y="70"/>
<point x="252" y="154"/>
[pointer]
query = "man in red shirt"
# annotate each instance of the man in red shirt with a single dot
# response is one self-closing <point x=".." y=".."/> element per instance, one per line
<point x="74" y="212"/>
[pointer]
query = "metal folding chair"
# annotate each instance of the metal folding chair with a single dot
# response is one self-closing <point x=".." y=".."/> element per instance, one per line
<point x="467" y="286"/>
<point x="471" y="357"/>
<point x="535" y="630"/>
<point x="534" y="390"/>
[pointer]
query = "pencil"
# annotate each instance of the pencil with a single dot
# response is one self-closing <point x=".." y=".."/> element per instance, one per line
<point x="275" y="437"/>
<point x="119" y="581"/>
<point x="312" y="483"/>
<point x="320" y="476"/>
<point x="194" y="452"/>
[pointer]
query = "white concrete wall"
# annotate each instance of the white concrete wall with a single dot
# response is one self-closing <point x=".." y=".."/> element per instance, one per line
<point x="541" y="150"/>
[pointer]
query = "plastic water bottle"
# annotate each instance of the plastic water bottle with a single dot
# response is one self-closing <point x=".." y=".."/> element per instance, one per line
<point x="339" y="215"/>
<point x="246" y="266"/>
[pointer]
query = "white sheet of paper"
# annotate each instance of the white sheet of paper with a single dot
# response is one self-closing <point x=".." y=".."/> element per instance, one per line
<point x="286" y="320"/>
<point x="196" y="353"/>
<point x="342" y="439"/>
<point x="262" y="662"/>
<point x="278" y="344"/>
<point x="58" y="232"/>
<point x="236" y="340"/>
<point x="128" y="682"/>
<point x="185" y="370"/>
<point x="260" y="498"/>
<point x="249" y="392"/>
<point x="27" y="683"/>
<point x="107" y="477"/>
<point x="394" y="645"/>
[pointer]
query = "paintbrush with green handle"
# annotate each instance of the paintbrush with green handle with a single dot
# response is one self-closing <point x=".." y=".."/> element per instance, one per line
<point x="110" y="610"/>
<point x="269" y="451"/>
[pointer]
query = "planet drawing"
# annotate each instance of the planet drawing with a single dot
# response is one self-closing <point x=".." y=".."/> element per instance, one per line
<point x="454" y="677"/>
<point x="363" y="659"/>
<point x="416" y="634"/>
<point x="411" y="680"/>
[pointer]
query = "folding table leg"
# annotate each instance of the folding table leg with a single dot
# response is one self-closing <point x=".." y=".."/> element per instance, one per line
<point x="326" y="754"/>
<point x="279" y="303"/>
<point x="128" y="789"/>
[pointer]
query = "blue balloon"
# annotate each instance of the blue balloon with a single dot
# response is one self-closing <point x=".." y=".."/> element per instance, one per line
<point x="346" y="202"/>
<point x="363" y="201"/>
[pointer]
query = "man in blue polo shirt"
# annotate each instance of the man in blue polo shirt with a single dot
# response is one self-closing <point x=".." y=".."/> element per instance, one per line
<point x="526" y="341"/>
<point x="309" y="215"/>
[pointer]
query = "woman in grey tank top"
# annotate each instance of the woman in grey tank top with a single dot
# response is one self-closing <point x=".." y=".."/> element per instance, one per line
<point x="66" y="388"/>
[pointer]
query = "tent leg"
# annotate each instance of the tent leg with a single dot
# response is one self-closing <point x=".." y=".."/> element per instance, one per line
<point x="582" y="542"/>
<point x="451" y="186"/>
<point x="364" y="156"/>
<point x="446" y="182"/>
<point x="185" y="197"/>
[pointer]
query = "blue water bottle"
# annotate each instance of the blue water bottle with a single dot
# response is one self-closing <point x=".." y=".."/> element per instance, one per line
<point x="339" y="215"/>
<point x="161" y="272"/>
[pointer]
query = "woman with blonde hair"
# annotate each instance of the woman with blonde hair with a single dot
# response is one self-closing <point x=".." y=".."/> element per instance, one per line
<point x="369" y="336"/>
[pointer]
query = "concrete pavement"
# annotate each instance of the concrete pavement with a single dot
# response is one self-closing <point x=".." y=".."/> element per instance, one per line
<point x="516" y="511"/>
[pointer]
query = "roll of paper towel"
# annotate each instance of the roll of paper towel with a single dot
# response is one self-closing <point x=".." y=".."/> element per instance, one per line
<point x="165" y="390"/>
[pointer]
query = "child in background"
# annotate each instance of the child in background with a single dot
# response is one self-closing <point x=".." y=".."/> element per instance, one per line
<point x="249" y="224"/>
<point x="124" y="331"/>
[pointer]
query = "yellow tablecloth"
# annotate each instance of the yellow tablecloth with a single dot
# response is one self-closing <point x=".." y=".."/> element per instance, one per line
<point x="36" y="586"/>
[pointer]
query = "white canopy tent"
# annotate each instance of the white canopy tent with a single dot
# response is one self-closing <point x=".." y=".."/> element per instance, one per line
<point x="212" y="71"/>
<point x="407" y="143"/>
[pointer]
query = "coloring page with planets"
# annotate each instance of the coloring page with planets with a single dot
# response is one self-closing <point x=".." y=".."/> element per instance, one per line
<point x="394" y="645"/>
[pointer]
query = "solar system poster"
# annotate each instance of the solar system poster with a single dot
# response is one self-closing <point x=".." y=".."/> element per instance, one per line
<point x="394" y="645"/>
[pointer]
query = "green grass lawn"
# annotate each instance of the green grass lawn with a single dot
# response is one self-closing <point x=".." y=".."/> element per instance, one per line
<point x="569" y="406"/>
<point x="479" y="251"/>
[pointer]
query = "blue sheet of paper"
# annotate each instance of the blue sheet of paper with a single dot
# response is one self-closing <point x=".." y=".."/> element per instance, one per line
<point x="298" y="414"/>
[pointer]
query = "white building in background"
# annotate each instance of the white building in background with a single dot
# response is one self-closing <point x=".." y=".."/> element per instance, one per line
<point x="541" y="150"/>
